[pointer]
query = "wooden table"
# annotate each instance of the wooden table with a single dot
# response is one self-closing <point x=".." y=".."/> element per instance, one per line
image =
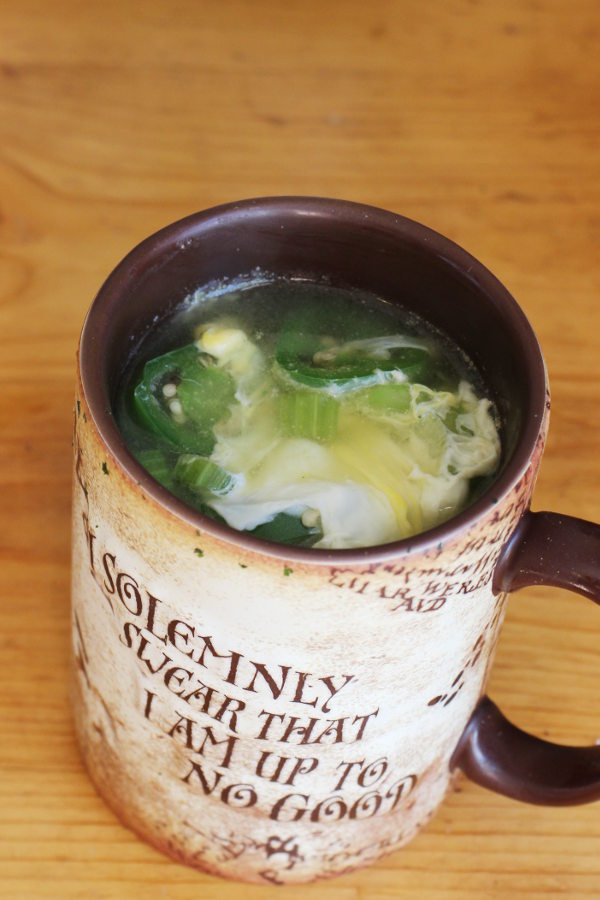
<point x="479" y="119"/>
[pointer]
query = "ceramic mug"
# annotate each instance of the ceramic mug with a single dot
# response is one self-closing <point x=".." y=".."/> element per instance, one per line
<point x="277" y="714"/>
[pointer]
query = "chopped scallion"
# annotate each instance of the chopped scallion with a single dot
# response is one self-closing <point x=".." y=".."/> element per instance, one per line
<point x="202" y="476"/>
<point x="155" y="462"/>
<point x="387" y="397"/>
<point x="307" y="414"/>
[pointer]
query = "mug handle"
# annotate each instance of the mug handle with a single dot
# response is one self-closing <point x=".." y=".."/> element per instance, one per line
<point x="545" y="548"/>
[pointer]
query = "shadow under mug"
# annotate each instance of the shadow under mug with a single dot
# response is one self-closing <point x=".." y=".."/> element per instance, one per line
<point x="277" y="714"/>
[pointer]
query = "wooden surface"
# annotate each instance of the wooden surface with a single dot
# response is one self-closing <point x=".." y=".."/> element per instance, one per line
<point x="479" y="119"/>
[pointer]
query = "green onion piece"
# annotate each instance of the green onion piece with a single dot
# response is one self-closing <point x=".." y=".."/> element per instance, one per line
<point x="387" y="397"/>
<point x="307" y="414"/>
<point x="202" y="476"/>
<point x="287" y="529"/>
<point x="155" y="462"/>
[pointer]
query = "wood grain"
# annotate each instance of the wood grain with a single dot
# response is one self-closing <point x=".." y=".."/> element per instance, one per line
<point x="479" y="119"/>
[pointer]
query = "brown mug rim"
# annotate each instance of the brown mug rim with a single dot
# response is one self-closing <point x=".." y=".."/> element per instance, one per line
<point x="165" y="241"/>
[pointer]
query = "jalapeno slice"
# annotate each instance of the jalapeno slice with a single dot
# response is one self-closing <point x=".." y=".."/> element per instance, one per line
<point x="180" y="398"/>
<point x="365" y="351"/>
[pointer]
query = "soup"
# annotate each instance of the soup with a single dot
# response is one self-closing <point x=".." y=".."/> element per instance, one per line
<point x="309" y="414"/>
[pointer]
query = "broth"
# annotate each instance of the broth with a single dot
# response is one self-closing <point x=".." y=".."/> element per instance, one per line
<point x="309" y="414"/>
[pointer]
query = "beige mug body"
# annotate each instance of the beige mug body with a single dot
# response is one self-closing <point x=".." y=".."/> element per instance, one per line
<point x="257" y="711"/>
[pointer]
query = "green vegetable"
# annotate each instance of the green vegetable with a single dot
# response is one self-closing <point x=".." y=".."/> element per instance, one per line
<point x="387" y="397"/>
<point x="197" y="396"/>
<point x="287" y="529"/>
<point x="365" y="346"/>
<point x="308" y="414"/>
<point x="155" y="462"/>
<point x="202" y="476"/>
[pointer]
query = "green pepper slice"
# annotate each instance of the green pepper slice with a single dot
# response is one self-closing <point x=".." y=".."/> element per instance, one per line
<point x="198" y="396"/>
<point x="321" y="350"/>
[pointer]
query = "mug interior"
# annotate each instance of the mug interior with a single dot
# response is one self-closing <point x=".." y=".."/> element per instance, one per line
<point x="349" y="245"/>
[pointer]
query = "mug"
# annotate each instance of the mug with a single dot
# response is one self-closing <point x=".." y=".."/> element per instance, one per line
<point x="279" y="714"/>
